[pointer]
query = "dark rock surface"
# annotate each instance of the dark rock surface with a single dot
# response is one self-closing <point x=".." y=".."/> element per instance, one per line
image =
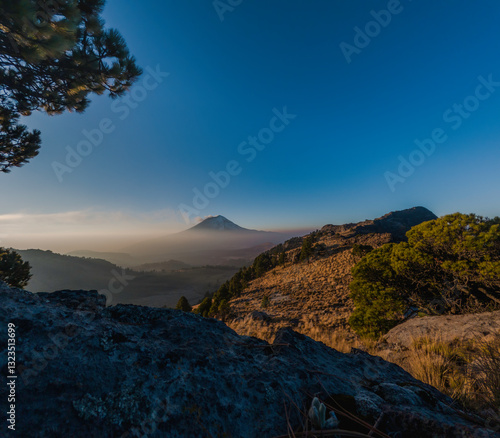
<point x="89" y="371"/>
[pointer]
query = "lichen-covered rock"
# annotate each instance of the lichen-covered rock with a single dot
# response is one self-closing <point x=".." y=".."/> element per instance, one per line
<point x="76" y="299"/>
<point x="126" y="371"/>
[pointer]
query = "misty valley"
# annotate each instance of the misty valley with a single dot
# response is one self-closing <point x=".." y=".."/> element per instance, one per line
<point x="156" y="272"/>
<point x="157" y="287"/>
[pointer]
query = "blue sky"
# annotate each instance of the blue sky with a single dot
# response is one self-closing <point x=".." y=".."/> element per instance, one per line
<point x="429" y="66"/>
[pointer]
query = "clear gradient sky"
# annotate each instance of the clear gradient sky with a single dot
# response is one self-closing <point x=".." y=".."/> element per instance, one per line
<point x="360" y="103"/>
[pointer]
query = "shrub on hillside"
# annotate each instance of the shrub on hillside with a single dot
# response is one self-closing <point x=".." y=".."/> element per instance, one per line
<point x="224" y="310"/>
<point x="13" y="270"/>
<point x="376" y="294"/>
<point x="282" y="258"/>
<point x="306" y="250"/>
<point x="446" y="265"/>
<point x="204" y="308"/>
<point x="183" y="304"/>
<point x="265" y="302"/>
<point x="359" y="251"/>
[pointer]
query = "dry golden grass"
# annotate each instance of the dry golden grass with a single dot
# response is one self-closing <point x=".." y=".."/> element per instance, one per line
<point x="340" y="340"/>
<point x="434" y="369"/>
<point x="248" y="327"/>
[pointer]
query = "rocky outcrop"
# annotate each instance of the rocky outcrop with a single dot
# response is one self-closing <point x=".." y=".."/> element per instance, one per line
<point x="86" y="370"/>
<point x="398" y="223"/>
<point x="395" y="223"/>
<point x="446" y="328"/>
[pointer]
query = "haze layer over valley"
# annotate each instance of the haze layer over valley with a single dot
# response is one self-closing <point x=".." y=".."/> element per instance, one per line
<point x="214" y="241"/>
<point x="155" y="272"/>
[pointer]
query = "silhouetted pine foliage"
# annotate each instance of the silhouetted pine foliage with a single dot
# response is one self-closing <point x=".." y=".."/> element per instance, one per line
<point x="13" y="270"/>
<point x="52" y="56"/>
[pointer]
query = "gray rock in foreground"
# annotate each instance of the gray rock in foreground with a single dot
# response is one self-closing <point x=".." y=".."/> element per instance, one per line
<point x="89" y="371"/>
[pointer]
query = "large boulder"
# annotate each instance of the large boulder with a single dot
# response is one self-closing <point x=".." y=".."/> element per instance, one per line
<point x="86" y="370"/>
<point x="446" y="328"/>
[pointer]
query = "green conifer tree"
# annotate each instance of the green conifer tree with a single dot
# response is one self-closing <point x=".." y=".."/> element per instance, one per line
<point x="306" y="250"/>
<point x="446" y="263"/>
<point x="204" y="308"/>
<point x="13" y="270"/>
<point x="183" y="304"/>
<point x="53" y="54"/>
<point x="282" y="258"/>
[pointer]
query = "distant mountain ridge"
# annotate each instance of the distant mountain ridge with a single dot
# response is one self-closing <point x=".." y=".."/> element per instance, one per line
<point x="396" y="223"/>
<point x="117" y="258"/>
<point x="169" y="265"/>
<point x="52" y="271"/>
